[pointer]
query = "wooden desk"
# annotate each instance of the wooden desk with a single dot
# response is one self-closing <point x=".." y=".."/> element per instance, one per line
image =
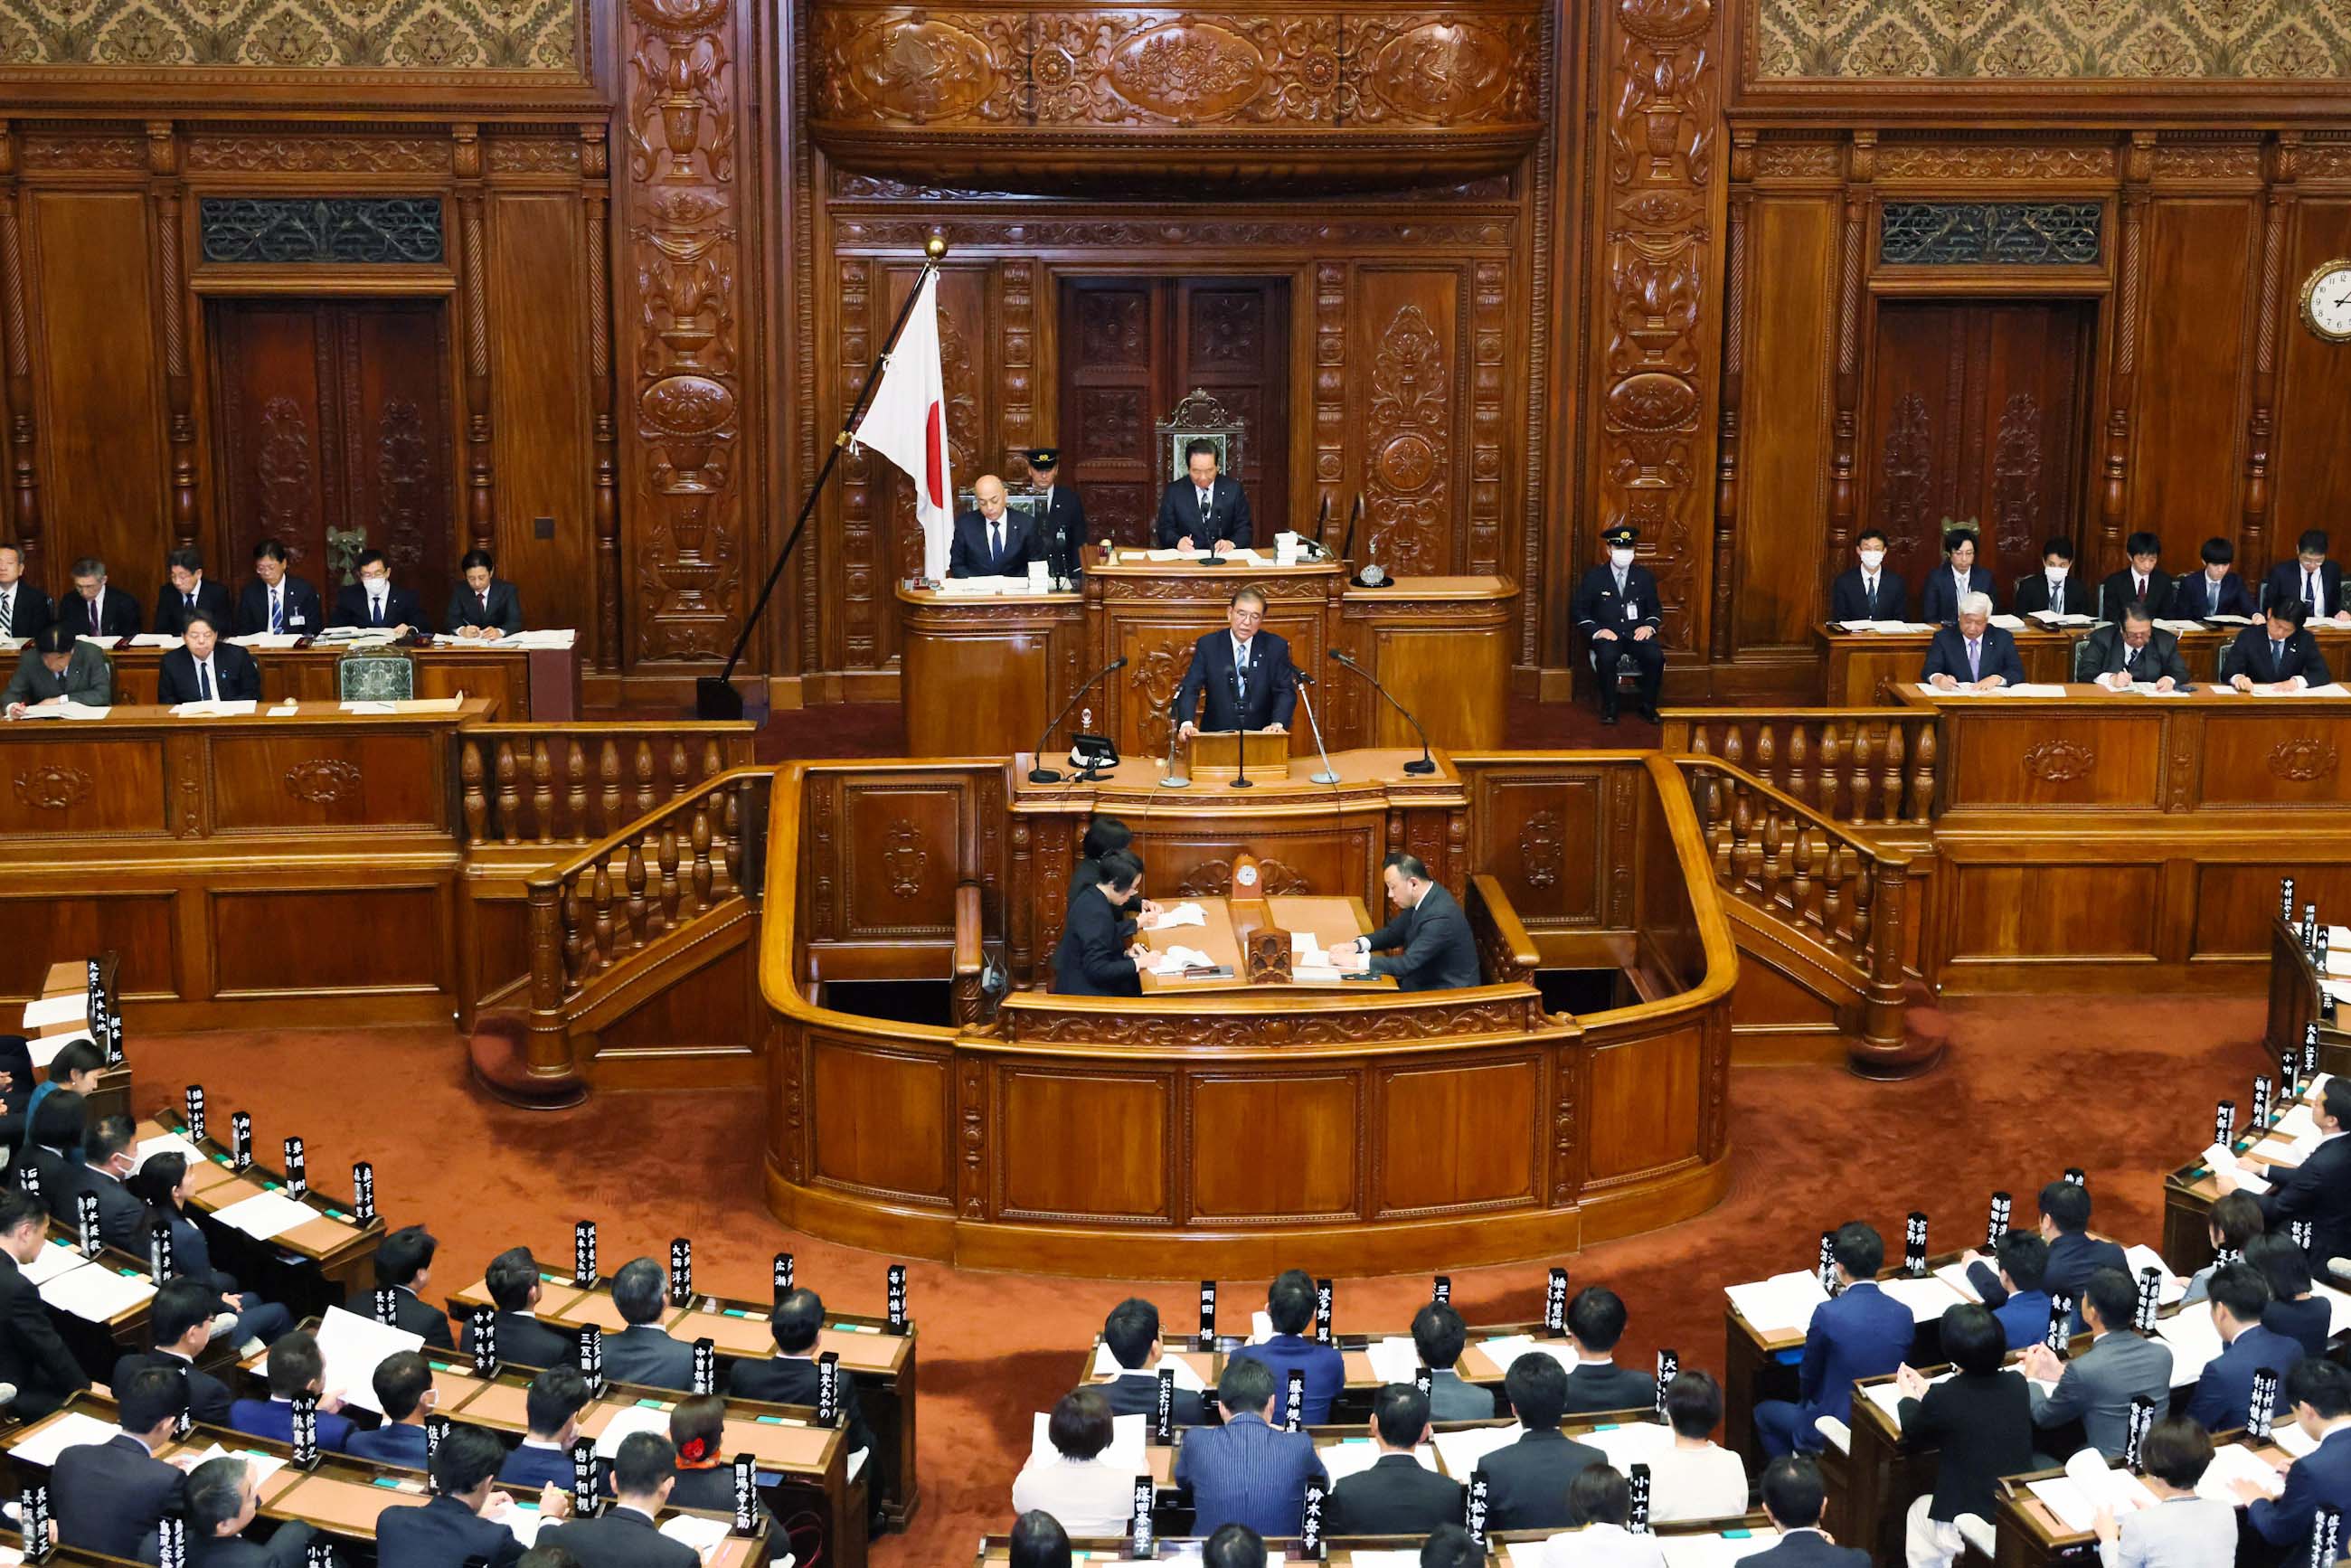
<point x="2296" y="1001"/>
<point x="336" y="1250"/>
<point x="1862" y="669"/>
<point x="2025" y="1535"/>
<point x="521" y="685"/>
<point x="2118" y="843"/>
<point x="66" y="976"/>
<point x="1329" y="921"/>
<point x="982" y="674"/>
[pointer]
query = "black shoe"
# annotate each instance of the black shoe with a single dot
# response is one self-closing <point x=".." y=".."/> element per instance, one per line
<point x="1608" y="715"/>
<point x="1649" y="712"/>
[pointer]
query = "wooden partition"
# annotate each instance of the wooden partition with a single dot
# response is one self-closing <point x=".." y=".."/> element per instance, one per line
<point x="1083" y="1136"/>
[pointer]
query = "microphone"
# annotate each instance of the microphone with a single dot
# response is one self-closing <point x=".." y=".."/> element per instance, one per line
<point x="1040" y="774"/>
<point x="1347" y="545"/>
<point x="1321" y="520"/>
<point x="1425" y="763"/>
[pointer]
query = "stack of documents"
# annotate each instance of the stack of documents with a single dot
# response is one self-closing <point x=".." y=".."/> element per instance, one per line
<point x="1349" y="1456"/>
<point x="1926" y="1297"/>
<point x="70" y="1430"/>
<point x="217" y="708"/>
<point x="267" y="640"/>
<point x="2087" y="1484"/>
<point x="354" y="1347"/>
<point x="57" y="708"/>
<point x="73" y="1007"/>
<point x="1504" y="1350"/>
<point x="1887" y="1395"/>
<point x="264" y="1215"/>
<point x="156" y="639"/>
<point x="1106" y="1366"/>
<point x="1781" y="1304"/>
<point x="2195" y="1342"/>
<point x="2059" y="618"/>
<point x="1887" y="626"/>
<point x="1186" y="914"/>
<point x="1176" y="960"/>
<point x="1462" y="1451"/>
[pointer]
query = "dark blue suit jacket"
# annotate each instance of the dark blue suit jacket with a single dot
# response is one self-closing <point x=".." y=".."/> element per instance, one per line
<point x="2320" y="1479"/>
<point x="505" y="611"/>
<point x="274" y="1419"/>
<point x="306" y="612"/>
<point x="400" y="609"/>
<point x="2025" y="1317"/>
<point x="645" y="1355"/>
<point x="2192" y="597"/>
<point x="171" y="607"/>
<point x="1810" y="1549"/>
<point x="1092" y="959"/>
<point x="2071" y="1260"/>
<point x="235" y="677"/>
<point x="1848" y="602"/>
<point x="2250" y="655"/>
<point x="1245" y="1472"/>
<point x="967" y="554"/>
<point x="442" y="1533"/>
<point x="1179" y="514"/>
<point x="528" y="1469"/>
<point x="1948" y="655"/>
<point x="1137" y="1394"/>
<point x="110" y="1494"/>
<point x="2225" y="1391"/>
<point x="1862" y="1333"/>
<point x="1325" y="1370"/>
<point x="1939" y="599"/>
<point x="391" y="1444"/>
<point x="117" y="611"/>
<point x="1269" y="696"/>
<point x="2284" y="581"/>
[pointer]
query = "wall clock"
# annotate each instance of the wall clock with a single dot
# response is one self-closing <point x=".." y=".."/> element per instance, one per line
<point x="2326" y="300"/>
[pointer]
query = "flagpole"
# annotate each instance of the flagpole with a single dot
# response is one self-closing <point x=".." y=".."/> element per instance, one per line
<point x="715" y="695"/>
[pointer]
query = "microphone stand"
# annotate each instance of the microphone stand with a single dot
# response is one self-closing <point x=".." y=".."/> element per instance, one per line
<point x="1329" y="775"/>
<point x="1241" y="780"/>
<point x="1176" y="777"/>
<point x="1425" y="763"/>
<point x="1040" y="774"/>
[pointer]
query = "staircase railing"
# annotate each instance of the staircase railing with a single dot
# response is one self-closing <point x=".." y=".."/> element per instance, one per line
<point x="1872" y="767"/>
<point x="558" y="784"/>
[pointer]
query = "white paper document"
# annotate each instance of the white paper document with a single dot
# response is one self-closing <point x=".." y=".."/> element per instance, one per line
<point x="68" y="1431"/>
<point x="43" y="1049"/>
<point x="267" y="640"/>
<point x="354" y="1347"/>
<point x="97" y="1293"/>
<point x="1784" y="1302"/>
<point x="157" y="640"/>
<point x="2194" y="1341"/>
<point x="170" y="1143"/>
<point x="2234" y="1461"/>
<point x="705" y="1535"/>
<point x="217" y="708"/>
<point x="2175" y="627"/>
<point x="1631" y="1443"/>
<point x="2076" y="1496"/>
<point x="2141" y="1257"/>
<point x="107" y="642"/>
<point x="1955" y="1275"/>
<point x="1460" y="1451"/>
<point x="1106" y="1366"/>
<point x="1186" y="914"/>
<point x="1394" y="1359"/>
<point x="1887" y="1396"/>
<point x="1176" y="960"/>
<point x="73" y="1007"/>
<point x="2226" y="1171"/>
<point x="523" y="1520"/>
<point x="57" y="709"/>
<point x="1350" y="1455"/>
<point x="1503" y="1350"/>
<point x="264" y="1215"/>
<point x="1925" y="1297"/>
<point x="2060" y="617"/>
<point x="626" y="1423"/>
<point x="53" y="1258"/>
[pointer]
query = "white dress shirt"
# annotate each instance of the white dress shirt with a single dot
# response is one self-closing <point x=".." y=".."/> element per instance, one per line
<point x="1089" y="1497"/>
<point x="1604" y="1546"/>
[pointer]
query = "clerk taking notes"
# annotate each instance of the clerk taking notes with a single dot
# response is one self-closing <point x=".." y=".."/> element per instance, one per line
<point x="1975" y="655"/>
<point x="56" y="668"/>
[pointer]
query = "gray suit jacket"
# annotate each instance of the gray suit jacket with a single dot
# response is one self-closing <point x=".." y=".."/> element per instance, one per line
<point x="88" y="678"/>
<point x="2099" y="1385"/>
<point x="2101" y="654"/>
<point x="644" y="1354"/>
<point x="1438" y="954"/>
<point x="1451" y="1399"/>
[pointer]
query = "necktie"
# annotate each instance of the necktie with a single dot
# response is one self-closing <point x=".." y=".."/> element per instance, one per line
<point x="7" y="612"/>
<point x="995" y="543"/>
<point x="278" y="610"/>
<point x="205" y="681"/>
<point x="486" y="607"/>
<point x="2310" y="590"/>
<point x="192" y="602"/>
<point x="2130" y="657"/>
<point x="1621" y="590"/>
<point x="375" y="611"/>
<point x="1206" y="496"/>
<point x="2277" y="655"/>
<point x="1975" y="660"/>
<point x="1870" y="588"/>
<point x="1240" y="670"/>
<point x="98" y="613"/>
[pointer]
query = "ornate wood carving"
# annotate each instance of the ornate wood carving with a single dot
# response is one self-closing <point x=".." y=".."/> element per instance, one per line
<point x="2058" y="761"/>
<point x="1213" y="879"/>
<point x="1845" y="437"/>
<point x="2123" y="39"/>
<point x="861" y="472"/>
<point x="1542" y="849"/>
<point x="171" y="284"/>
<point x="1655" y="367"/>
<point x="595" y="165"/>
<point x="2277" y="219"/>
<point x="2113" y="494"/>
<point x="1164" y="1032"/>
<point x="246" y="153"/>
<point x="2016" y="478"/>
<point x="905" y="860"/>
<point x="1489" y="332"/>
<point x="1743" y="167"/>
<point x="534" y="155"/>
<point x="481" y="508"/>
<point x="51" y="787"/>
<point x="2303" y="759"/>
<point x="1962" y="163"/>
<point x="1016" y="377"/>
<point x="1408" y="468"/>
<point x="322" y="780"/>
<point x="15" y="344"/>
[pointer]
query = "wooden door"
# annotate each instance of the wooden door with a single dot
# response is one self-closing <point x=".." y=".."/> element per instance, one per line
<point x="335" y="436"/>
<point x="1978" y="410"/>
<point x="1131" y="348"/>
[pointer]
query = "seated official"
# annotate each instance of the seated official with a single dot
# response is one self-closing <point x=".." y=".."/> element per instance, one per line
<point x="2224" y="1391"/>
<point x="1428" y="947"/>
<point x="1975" y="655"/>
<point x="2134" y="651"/>
<point x="1290" y="1304"/>
<point x="1595" y="1322"/>
<point x="2021" y="1267"/>
<point x="706" y="1471"/>
<point x="276" y="600"/>
<point x="2215" y="589"/>
<point x="792" y="1376"/>
<point x="1094" y="960"/>
<point x="2318" y="1189"/>
<point x="1440" y="1337"/>
<point x="2318" y="1392"/>
<point x="551" y="1408"/>
<point x="1103" y="836"/>
<point x="166" y="1184"/>
<point x="106" y="1495"/>
<point x="2310" y="578"/>
<point x="996" y="539"/>
<point x="1958" y="576"/>
<point x="1234" y="1546"/>
<point x="460" y="1524"/>
<point x="186" y="594"/>
<point x="1617" y="609"/>
<point x="644" y="1352"/>
<point x="295" y="1369"/>
<point x="403" y="1382"/>
<point x="222" y="1502"/>
<point x="1247" y="1471"/>
<point x="487" y="608"/>
<point x="2142" y="582"/>
<point x="1859" y="1332"/>
<point x="94" y="609"/>
<point x="1132" y="1335"/>
<point x="1073" y="1482"/>
<point x="75" y="1067"/>
<point x="33" y="1359"/>
<point x="374" y="602"/>
<point x="2054" y="586"/>
<point x="180" y="1325"/>
<point x="2182" y="1527"/>
<point x="53" y="1158"/>
<point x="2096" y="1387"/>
<point x="2295" y="1310"/>
<point x="1869" y="591"/>
<point x="1696" y="1477"/>
<point x="55" y="668"/>
<point x="1038" y="1540"/>
<point x="1451" y="1546"/>
<point x="1205" y="511"/>
<point x="207" y="669"/>
<point x="1059" y="515"/>
<point x="124" y="1223"/>
<point x="24" y="607"/>
<point x="18" y="1082"/>
<point x="2276" y="652"/>
<point x="2232" y="1221"/>
<point x="1794" y="1499"/>
<point x="1980" y="1420"/>
<point x="403" y="1265"/>
<point x="2075" y="1255"/>
<point x="1527" y="1482"/>
<point x="625" y="1534"/>
<point x="1601" y="1497"/>
<point x="513" y="1283"/>
<point x="1245" y="674"/>
<point x="1398" y="1495"/>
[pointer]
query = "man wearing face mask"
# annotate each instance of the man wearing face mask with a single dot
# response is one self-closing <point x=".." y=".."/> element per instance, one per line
<point x="1617" y="609"/>
<point x="109" y="1154"/>
<point x="1948" y="584"/>
<point x="1868" y="592"/>
<point x="374" y="603"/>
<point x="2054" y="586"/>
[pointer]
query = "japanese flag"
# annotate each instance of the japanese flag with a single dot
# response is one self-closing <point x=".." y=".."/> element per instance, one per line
<point x="907" y="423"/>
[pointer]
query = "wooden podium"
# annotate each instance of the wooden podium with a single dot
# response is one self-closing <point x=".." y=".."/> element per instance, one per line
<point x="1220" y="753"/>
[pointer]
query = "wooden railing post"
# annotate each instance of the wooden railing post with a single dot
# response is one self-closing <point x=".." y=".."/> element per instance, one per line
<point x="1885" y="1048"/>
<point x="547" y="1048"/>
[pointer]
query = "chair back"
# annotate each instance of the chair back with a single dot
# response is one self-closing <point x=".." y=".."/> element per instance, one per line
<point x="2082" y="670"/>
<point x="1200" y="417"/>
<point x="375" y="676"/>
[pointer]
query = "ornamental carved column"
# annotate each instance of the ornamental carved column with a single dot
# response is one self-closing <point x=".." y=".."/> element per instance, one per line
<point x="24" y="475"/>
<point x="1660" y="203"/>
<point x="596" y="171"/>
<point x="166" y="192"/>
<point x="473" y="284"/>
<point x="1734" y="366"/>
<point x="2114" y="495"/>
<point x="2285" y="158"/>
<point x="1853" y="269"/>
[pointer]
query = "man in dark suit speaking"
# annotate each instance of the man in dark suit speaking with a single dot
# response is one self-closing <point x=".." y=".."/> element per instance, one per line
<point x="1438" y="953"/>
<point x="1245" y="673"/>
<point x="1204" y="511"/>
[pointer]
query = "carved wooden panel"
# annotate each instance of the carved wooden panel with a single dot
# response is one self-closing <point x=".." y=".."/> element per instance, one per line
<point x="884" y="1127"/>
<point x="1414" y="473"/>
<point x="1489" y="1152"/>
<point x="1104" y="1145"/>
<point x="2186" y="466"/>
<point x="1643" y="1105"/>
<point x="901" y="848"/>
<point x="1541" y="835"/>
<point x="289" y="943"/>
<point x="2310" y="469"/>
<point x="1311" y="1117"/>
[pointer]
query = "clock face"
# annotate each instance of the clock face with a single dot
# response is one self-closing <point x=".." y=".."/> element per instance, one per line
<point x="1247" y="876"/>
<point x="2326" y="302"/>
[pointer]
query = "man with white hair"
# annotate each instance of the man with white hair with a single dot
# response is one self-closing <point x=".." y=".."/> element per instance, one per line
<point x="1975" y="655"/>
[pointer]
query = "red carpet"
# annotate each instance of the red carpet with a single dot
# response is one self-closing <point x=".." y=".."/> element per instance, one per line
<point x="2030" y="1086"/>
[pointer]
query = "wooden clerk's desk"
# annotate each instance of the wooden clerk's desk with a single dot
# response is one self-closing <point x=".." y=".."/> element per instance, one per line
<point x="1862" y="669"/>
<point x="983" y="674"/>
<point x="521" y="685"/>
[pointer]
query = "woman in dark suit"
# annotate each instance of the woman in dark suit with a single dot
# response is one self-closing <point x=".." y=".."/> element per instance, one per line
<point x="1981" y="1416"/>
<point x="16" y="1088"/>
<point x="1106" y="835"/>
<point x="164" y="1184"/>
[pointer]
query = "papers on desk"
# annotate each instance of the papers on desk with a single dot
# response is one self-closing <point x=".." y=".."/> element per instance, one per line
<point x="1350" y="1455"/>
<point x="97" y="1293"/>
<point x="705" y="1535"/>
<point x="2060" y="617"/>
<point x="1955" y="1275"/>
<point x="53" y="1260"/>
<point x="626" y="1423"/>
<point x="1631" y="1443"/>
<point x="352" y="1347"/>
<point x="1780" y="1304"/>
<point x="1716" y="1551"/>
<point x="370" y="707"/>
<point x="2229" y="620"/>
<point x="1926" y="1297"/>
<point x="1260" y="1326"/>
<point x="562" y="638"/>
<point x="107" y="642"/>
<point x="523" y="1520"/>
<point x="59" y="708"/>
<point x="2076" y="1496"/>
<point x="267" y="640"/>
<point x="12" y="645"/>
<point x="2008" y="622"/>
<point x="357" y="636"/>
<point x="263" y="1466"/>
<point x="1176" y="960"/>
<point x="1187" y="1376"/>
<point x="2288" y="1435"/>
<point x="2225" y="1171"/>
<point x="1185" y="914"/>
<point x="981" y="587"/>
<point x="43" y="1049"/>
<point x="71" y="1008"/>
<point x="2177" y="627"/>
<point x="1503" y="1350"/>
<point x="214" y="709"/>
<point x="264" y="1215"/>
<point x="1126" y="1433"/>
<point x="2170" y="1287"/>
<point x="157" y="640"/>
<point x="1887" y="626"/>
<point x="2235" y="1461"/>
<point x="68" y="1431"/>
<point x="1461" y="1451"/>
<point x="1362" y="1558"/>
<point x="2338" y="1309"/>
<point x="1887" y="1395"/>
<point x="1394" y="1359"/>
<point x="2195" y="1342"/>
